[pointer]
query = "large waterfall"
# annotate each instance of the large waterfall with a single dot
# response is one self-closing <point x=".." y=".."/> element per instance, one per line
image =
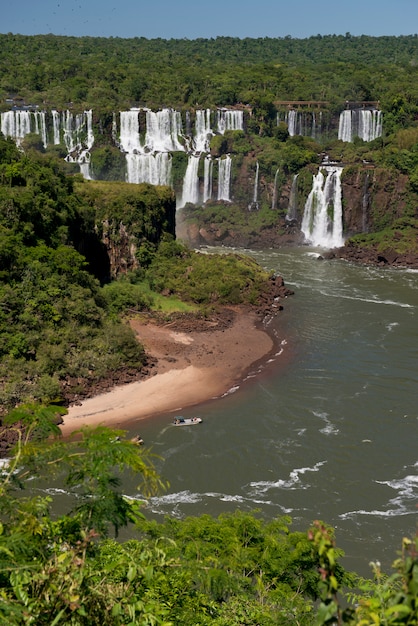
<point x="149" y="148"/>
<point x="322" y="222"/>
<point x="19" y="123"/>
<point x="363" y="123"/>
<point x="203" y="131"/>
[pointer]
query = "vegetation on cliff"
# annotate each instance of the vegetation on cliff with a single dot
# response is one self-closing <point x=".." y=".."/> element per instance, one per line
<point x="234" y="570"/>
<point x="61" y="242"/>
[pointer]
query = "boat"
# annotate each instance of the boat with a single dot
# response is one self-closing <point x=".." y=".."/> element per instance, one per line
<point x="186" y="421"/>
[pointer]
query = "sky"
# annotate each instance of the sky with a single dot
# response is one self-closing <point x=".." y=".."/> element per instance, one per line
<point x="192" y="19"/>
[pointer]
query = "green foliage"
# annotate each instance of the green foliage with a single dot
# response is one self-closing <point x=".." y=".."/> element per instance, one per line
<point x="123" y="296"/>
<point x="205" y="279"/>
<point x="389" y="601"/>
<point x="402" y="237"/>
<point x="233" y="570"/>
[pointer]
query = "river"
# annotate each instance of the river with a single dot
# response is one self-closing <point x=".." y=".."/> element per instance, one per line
<point x="328" y="429"/>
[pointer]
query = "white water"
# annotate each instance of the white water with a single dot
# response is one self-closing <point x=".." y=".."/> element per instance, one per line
<point x="203" y="131"/>
<point x="322" y="218"/>
<point x="149" y="168"/>
<point x="208" y="178"/>
<point x="300" y="123"/>
<point x="274" y="199"/>
<point x="224" y="178"/>
<point x="363" y="123"/>
<point x="18" y="124"/>
<point x="292" y="209"/>
<point x="255" y="193"/>
<point x="190" y="183"/>
<point x="230" y="120"/>
<point x="163" y="129"/>
<point x="78" y="138"/>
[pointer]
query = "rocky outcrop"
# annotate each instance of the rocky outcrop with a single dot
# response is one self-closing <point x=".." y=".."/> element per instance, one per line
<point x="374" y="256"/>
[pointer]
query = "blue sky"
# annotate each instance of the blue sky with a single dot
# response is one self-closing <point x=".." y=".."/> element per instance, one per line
<point x="211" y="18"/>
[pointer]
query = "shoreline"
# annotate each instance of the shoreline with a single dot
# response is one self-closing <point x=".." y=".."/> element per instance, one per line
<point x="192" y="367"/>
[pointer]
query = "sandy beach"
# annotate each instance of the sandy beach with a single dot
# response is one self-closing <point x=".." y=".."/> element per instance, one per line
<point x="192" y="367"/>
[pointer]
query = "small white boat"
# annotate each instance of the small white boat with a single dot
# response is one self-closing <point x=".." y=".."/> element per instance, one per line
<point x="186" y="421"/>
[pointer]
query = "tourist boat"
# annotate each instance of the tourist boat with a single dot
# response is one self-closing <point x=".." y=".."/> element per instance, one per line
<point x="186" y="421"/>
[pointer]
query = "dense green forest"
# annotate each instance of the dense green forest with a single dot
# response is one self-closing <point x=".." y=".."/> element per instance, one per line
<point x="216" y="72"/>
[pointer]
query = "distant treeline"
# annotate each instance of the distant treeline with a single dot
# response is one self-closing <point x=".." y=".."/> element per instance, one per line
<point x="54" y="71"/>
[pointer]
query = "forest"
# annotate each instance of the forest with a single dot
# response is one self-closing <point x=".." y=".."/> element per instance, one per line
<point x="79" y="257"/>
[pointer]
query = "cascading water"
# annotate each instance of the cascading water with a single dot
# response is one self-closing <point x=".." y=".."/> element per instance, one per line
<point x="300" y="123"/>
<point x="274" y="199"/>
<point x="322" y="218"/>
<point x="163" y="131"/>
<point x="254" y="204"/>
<point x="292" y="209"/>
<point x="56" y="126"/>
<point x="17" y="124"/>
<point x="208" y="178"/>
<point x="344" y="127"/>
<point x="190" y="183"/>
<point x="224" y="178"/>
<point x="149" y="161"/>
<point x="78" y="138"/>
<point x="229" y="119"/>
<point x="363" y="123"/>
<point x="148" y="140"/>
<point x="203" y="131"/>
<point x="151" y="168"/>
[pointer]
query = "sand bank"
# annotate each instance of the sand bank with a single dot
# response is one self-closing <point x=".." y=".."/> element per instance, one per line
<point x="192" y="367"/>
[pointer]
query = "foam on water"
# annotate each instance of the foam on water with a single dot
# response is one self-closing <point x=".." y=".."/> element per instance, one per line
<point x="293" y="482"/>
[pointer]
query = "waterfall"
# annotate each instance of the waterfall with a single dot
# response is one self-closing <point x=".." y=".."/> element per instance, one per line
<point x="224" y="178"/>
<point x="203" y="131"/>
<point x="255" y="193"/>
<point x="56" y="125"/>
<point x="369" y="125"/>
<point x="190" y="183"/>
<point x="291" y="119"/>
<point x="78" y="138"/>
<point x="322" y="218"/>
<point x="163" y="131"/>
<point x="301" y="123"/>
<point x="230" y="120"/>
<point x="148" y="168"/>
<point x="363" y="123"/>
<point x="129" y="139"/>
<point x="16" y="124"/>
<point x="274" y="199"/>
<point x="40" y="127"/>
<point x="208" y="177"/>
<point x="292" y="209"/>
<point x="344" y="127"/>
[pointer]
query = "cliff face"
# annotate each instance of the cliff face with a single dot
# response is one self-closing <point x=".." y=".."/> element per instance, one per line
<point x="373" y="199"/>
<point x="124" y="217"/>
